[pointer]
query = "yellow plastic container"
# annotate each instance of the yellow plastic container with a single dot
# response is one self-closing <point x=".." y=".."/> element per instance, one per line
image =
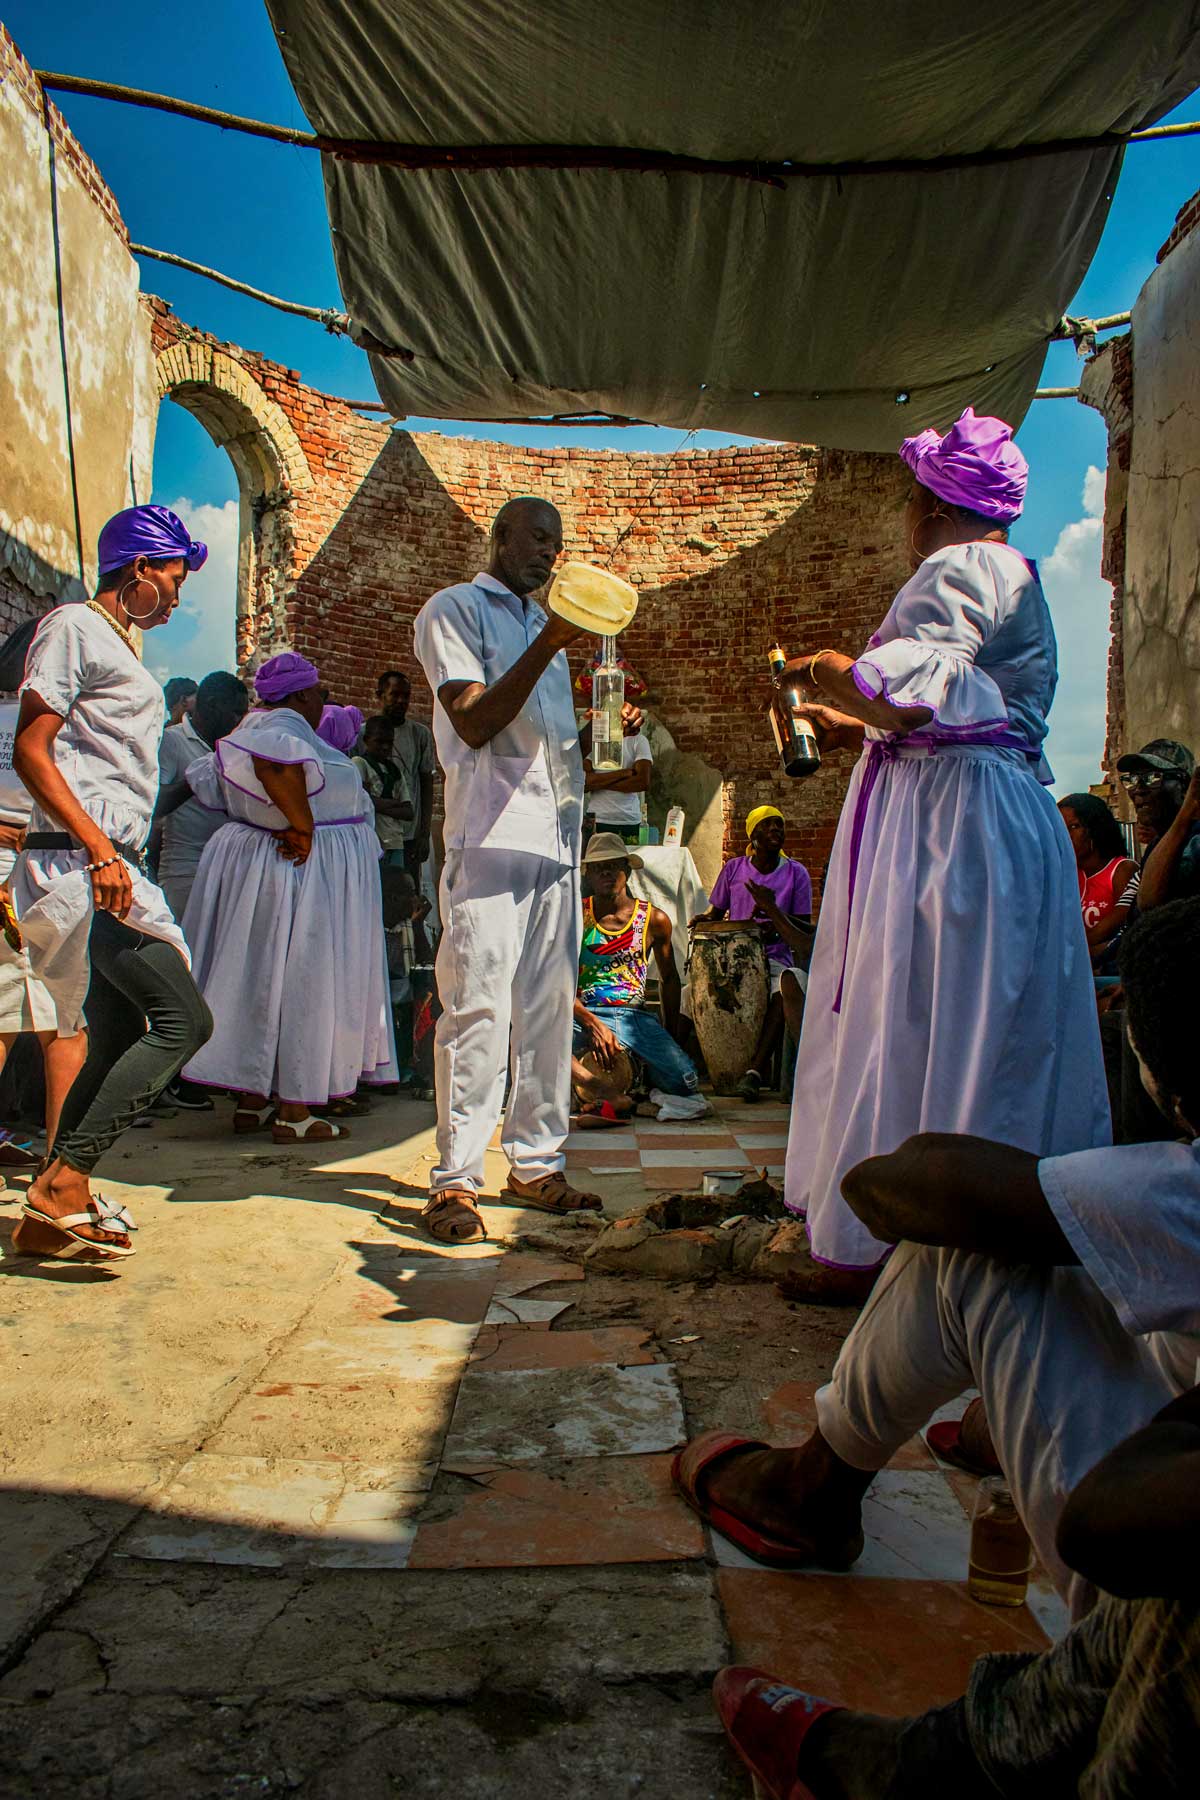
<point x="592" y="599"/>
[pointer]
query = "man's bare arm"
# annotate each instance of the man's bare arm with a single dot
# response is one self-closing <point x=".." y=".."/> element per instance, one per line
<point x="960" y="1193"/>
<point x="477" y="712"/>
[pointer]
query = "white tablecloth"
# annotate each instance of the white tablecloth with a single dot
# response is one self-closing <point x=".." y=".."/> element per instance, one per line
<point x="670" y="880"/>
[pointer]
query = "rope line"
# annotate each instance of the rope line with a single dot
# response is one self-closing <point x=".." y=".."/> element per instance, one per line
<point x="468" y="159"/>
<point x="62" y="338"/>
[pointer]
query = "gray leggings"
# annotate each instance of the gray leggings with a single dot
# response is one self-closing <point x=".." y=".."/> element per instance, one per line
<point x="145" y="1017"/>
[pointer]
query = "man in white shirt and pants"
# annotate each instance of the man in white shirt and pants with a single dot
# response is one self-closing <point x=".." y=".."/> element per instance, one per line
<point x="504" y="726"/>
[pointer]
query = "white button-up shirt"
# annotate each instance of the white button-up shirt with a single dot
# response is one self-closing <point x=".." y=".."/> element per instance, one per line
<point x="524" y="789"/>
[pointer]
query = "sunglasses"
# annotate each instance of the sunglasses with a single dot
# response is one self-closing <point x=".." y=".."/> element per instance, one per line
<point x="1149" y="778"/>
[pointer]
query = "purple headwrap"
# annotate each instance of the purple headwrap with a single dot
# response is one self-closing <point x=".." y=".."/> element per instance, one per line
<point x="284" y="674"/>
<point x="340" y="726"/>
<point x="975" y="465"/>
<point x="153" y="531"/>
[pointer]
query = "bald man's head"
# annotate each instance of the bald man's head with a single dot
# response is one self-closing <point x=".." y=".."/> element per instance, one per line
<point x="526" y="542"/>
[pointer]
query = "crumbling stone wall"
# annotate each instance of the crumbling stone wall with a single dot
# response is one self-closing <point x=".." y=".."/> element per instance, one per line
<point x="108" y="368"/>
<point x="1147" y="385"/>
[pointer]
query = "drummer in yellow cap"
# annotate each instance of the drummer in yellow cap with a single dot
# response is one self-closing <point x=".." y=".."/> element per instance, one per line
<point x="772" y="891"/>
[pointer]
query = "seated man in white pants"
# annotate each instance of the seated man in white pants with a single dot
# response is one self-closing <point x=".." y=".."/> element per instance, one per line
<point x="504" y="726"/>
<point x="1067" y="1289"/>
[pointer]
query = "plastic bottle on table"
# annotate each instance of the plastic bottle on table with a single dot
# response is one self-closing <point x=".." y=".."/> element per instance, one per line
<point x="674" y="831"/>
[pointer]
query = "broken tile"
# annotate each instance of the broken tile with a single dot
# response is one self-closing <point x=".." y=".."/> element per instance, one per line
<point x="518" y="1349"/>
<point x="599" y="1411"/>
<point x="791" y="1416"/>
<point x="619" y="1509"/>
<point x="279" y="1512"/>
<point x="876" y="1645"/>
<point x="520" y="1271"/>
<point x="518" y="1309"/>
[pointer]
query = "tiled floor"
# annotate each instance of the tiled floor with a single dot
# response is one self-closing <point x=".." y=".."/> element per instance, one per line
<point x="517" y="1441"/>
<point x="672" y="1156"/>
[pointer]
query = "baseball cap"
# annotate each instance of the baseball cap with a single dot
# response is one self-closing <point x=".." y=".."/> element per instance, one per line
<point x="606" y="846"/>
<point x="1163" y="754"/>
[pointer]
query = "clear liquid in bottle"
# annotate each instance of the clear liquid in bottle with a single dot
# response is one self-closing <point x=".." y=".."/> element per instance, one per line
<point x="1000" y="1555"/>
<point x="608" y="699"/>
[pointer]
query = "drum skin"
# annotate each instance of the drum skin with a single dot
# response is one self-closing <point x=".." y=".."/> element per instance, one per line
<point x="729" y="994"/>
<point x="617" y="1078"/>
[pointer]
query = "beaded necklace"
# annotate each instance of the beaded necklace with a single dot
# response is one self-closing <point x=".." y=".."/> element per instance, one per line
<point x="118" y="628"/>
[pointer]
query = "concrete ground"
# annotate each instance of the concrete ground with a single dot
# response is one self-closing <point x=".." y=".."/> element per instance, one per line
<point x="297" y="1502"/>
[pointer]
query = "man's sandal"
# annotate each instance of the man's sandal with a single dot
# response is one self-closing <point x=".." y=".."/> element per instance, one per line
<point x="252" y="1118"/>
<point x="312" y="1130"/>
<point x="552" y="1194"/>
<point x="767" y="1723"/>
<point x="101" y="1214"/>
<point x="452" y="1217"/>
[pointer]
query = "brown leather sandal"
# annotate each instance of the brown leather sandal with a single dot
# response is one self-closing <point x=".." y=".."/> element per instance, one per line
<point x="552" y="1194"/>
<point x="452" y="1217"/>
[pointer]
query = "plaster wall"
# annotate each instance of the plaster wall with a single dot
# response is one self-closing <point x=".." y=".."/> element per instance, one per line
<point x="114" y="398"/>
<point x="1161" y="623"/>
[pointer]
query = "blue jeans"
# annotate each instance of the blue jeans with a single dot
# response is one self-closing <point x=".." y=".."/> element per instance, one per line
<point x="648" y="1038"/>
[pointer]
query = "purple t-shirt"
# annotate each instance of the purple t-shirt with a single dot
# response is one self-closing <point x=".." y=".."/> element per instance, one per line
<point x="788" y="882"/>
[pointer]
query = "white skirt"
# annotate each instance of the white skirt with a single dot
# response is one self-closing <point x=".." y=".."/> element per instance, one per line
<point x="25" y="1003"/>
<point x="291" y="962"/>
<point x="967" y="1001"/>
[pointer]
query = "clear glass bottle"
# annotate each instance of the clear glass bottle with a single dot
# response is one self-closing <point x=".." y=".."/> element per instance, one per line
<point x="608" y="699"/>
<point x="793" y="735"/>
<point x="1001" y="1556"/>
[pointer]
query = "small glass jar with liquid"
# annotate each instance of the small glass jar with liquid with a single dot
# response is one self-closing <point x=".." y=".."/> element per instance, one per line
<point x="1001" y="1555"/>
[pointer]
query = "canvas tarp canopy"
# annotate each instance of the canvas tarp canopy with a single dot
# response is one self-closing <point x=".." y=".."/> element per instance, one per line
<point x="802" y="311"/>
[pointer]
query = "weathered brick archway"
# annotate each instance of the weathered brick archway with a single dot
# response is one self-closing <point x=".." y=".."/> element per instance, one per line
<point x="271" y="469"/>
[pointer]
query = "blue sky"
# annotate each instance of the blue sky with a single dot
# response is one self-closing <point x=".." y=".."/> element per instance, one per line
<point x="257" y="211"/>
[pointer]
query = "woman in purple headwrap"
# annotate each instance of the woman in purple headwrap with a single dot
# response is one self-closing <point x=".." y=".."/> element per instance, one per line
<point x="286" y="918"/>
<point x="95" y="925"/>
<point x="950" y="988"/>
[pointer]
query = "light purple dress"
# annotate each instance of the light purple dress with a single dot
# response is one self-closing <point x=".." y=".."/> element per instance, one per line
<point x="951" y="988"/>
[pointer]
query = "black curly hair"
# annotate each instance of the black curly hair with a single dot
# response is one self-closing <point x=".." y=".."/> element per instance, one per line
<point x="1160" y="970"/>
<point x="1099" y="821"/>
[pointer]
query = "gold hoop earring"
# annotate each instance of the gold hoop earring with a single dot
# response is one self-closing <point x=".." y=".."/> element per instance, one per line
<point x="139" y="618"/>
<point x="912" y="536"/>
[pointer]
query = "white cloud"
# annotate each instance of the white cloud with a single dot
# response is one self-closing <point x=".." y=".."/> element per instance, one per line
<point x="202" y="635"/>
<point x="1080" y="602"/>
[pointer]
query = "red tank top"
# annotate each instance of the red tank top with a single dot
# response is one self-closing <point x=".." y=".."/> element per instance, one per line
<point x="1096" y="892"/>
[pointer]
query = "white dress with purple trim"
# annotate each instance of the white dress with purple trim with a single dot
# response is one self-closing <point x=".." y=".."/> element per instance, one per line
<point x="951" y="988"/>
<point x="291" y="960"/>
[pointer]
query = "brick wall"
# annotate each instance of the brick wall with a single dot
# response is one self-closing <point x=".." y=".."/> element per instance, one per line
<point x="1186" y="220"/>
<point x="728" y="548"/>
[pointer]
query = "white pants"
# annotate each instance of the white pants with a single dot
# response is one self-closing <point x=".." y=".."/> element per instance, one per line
<point x="509" y="956"/>
<point x="1062" y="1381"/>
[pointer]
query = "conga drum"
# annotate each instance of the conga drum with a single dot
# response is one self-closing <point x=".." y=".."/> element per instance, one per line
<point x="730" y="989"/>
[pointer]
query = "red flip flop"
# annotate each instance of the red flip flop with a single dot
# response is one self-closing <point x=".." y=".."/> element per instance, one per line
<point x="767" y="1722"/>
<point x="698" y="1458"/>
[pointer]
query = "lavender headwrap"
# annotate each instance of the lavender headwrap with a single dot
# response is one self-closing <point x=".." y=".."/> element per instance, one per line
<point x="975" y="465"/>
<point x="153" y="531"/>
<point x="340" y="726"/>
<point x="284" y="674"/>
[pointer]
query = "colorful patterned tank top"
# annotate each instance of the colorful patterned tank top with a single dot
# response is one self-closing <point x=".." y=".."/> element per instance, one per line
<point x="612" y="965"/>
